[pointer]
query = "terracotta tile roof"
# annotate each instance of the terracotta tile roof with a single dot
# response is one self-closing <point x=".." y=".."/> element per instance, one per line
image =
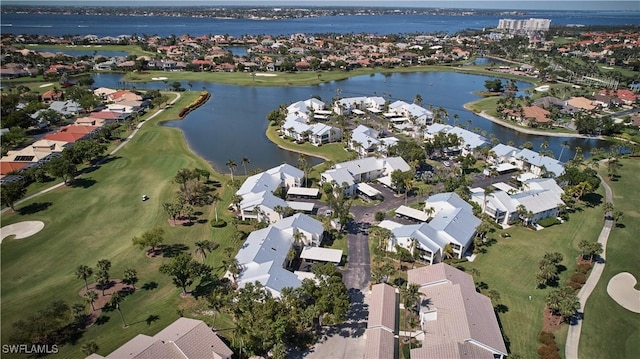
<point x="8" y="167"/>
<point x="184" y="338"/>
<point x="105" y="115"/>
<point x="380" y="344"/>
<point x="581" y="102"/>
<point x="458" y="313"/>
<point x="382" y="310"/>
<point x="538" y="113"/>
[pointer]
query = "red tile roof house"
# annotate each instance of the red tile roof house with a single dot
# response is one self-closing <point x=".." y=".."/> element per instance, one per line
<point x="72" y="133"/>
<point x="184" y="338"/>
<point x="52" y="95"/>
<point x="457" y="321"/>
<point x="381" y="325"/>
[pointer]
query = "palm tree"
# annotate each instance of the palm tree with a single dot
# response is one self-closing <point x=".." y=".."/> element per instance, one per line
<point x="411" y="297"/>
<point x="84" y="272"/>
<point x="115" y="301"/>
<point x="298" y="238"/>
<point x="214" y="199"/>
<point x="245" y="161"/>
<point x="448" y="251"/>
<point x="231" y="165"/>
<point x="130" y="277"/>
<point x="203" y="247"/>
<point x="429" y="211"/>
<point x="303" y="162"/>
<point x="91" y="297"/>
<point x="487" y="191"/>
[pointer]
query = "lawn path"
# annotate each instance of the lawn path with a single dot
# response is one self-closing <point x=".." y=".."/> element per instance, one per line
<point x="573" y="336"/>
<point x="110" y="154"/>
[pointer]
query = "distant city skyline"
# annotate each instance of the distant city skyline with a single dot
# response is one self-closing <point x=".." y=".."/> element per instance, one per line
<point x="578" y="5"/>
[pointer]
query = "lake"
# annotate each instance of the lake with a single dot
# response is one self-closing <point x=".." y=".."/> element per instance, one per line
<point x="232" y="124"/>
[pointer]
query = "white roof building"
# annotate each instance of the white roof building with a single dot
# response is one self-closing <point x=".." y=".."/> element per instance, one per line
<point x="527" y="160"/>
<point x="262" y="256"/>
<point x="257" y="192"/>
<point x="542" y="197"/>
<point x="469" y="140"/>
<point x="452" y="223"/>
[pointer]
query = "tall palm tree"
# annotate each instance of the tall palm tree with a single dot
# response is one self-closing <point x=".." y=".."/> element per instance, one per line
<point x="91" y="297"/>
<point x="115" y="301"/>
<point x="215" y="198"/>
<point x="203" y="247"/>
<point x="448" y="251"/>
<point x="487" y="191"/>
<point x="303" y="163"/>
<point x="411" y="297"/>
<point x="231" y="165"/>
<point x="84" y="272"/>
<point x="245" y="161"/>
<point x="298" y="238"/>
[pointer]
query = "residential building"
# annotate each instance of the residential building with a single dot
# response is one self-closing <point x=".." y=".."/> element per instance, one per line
<point x="469" y="141"/>
<point x="348" y="105"/>
<point x="381" y="323"/>
<point x="365" y="140"/>
<point x="452" y="223"/>
<point x="542" y="197"/>
<point x="526" y="25"/>
<point x="318" y="133"/>
<point x="66" y="108"/>
<point x="526" y="160"/>
<point x="418" y="115"/>
<point x="264" y="253"/>
<point x="365" y="169"/>
<point x="458" y="322"/>
<point x="258" y="200"/>
<point x="185" y="338"/>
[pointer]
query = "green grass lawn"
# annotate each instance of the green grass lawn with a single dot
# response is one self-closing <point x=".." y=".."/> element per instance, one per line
<point x="131" y="49"/>
<point x="97" y="219"/>
<point x="608" y="330"/>
<point x="510" y="267"/>
<point x="332" y="151"/>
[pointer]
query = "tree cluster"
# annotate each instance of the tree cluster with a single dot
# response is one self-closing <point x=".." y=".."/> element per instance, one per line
<point x="184" y="270"/>
<point x="55" y="324"/>
<point x="338" y="202"/>
<point x="270" y="325"/>
<point x="548" y="271"/>
<point x="563" y="301"/>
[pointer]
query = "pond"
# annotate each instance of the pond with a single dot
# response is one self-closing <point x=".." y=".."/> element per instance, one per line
<point x="232" y="124"/>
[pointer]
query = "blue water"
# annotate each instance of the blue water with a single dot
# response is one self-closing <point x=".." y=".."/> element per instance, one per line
<point x="231" y="125"/>
<point x="112" y="25"/>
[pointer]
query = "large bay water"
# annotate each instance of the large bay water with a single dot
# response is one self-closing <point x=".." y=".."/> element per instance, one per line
<point x="113" y="25"/>
<point x="232" y="124"/>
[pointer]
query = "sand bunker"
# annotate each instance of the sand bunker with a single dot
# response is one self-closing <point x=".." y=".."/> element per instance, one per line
<point x="47" y="85"/>
<point x="543" y="88"/>
<point x="158" y="78"/>
<point x="620" y="288"/>
<point x="21" y="229"/>
<point x="266" y="75"/>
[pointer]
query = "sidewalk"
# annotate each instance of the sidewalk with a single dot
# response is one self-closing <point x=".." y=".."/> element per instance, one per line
<point x="124" y="142"/>
<point x="573" y="336"/>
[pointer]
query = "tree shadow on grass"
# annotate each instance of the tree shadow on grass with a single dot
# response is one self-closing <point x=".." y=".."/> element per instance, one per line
<point x="34" y="208"/>
<point x="103" y="319"/>
<point x="83" y="182"/>
<point x="173" y="250"/>
<point x="150" y="286"/>
<point x="592" y="199"/>
<point x="501" y="308"/>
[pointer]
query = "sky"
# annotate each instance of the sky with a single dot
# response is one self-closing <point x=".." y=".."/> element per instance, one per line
<point x="602" y="5"/>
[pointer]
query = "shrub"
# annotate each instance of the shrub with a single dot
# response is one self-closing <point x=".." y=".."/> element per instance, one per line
<point x="379" y="216"/>
<point x="578" y="278"/>
<point x="584" y="268"/>
<point x="219" y="223"/>
<point x="548" y="222"/>
<point x="546" y="338"/>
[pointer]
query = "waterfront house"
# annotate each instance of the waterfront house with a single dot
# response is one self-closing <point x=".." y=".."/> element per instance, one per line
<point x="469" y="141"/>
<point x="418" y="115"/>
<point x="184" y="338"/>
<point x="526" y="160"/>
<point x="457" y="321"/>
<point x="347" y="105"/>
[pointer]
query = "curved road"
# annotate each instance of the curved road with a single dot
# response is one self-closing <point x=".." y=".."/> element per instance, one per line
<point x="178" y="95"/>
<point x="573" y="337"/>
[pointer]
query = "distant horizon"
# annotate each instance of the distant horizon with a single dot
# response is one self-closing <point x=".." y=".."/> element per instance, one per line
<point x="576" y="5"/>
